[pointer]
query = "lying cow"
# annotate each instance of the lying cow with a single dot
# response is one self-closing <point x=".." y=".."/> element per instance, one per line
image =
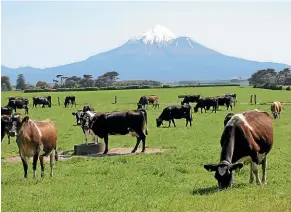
<point x="276" y="108"/>
<point x="42" y="100"/>
<point x="35" y="139"/>
<point x="18" y="104"/>
<point x="70" y="100"/>
<point x="120" y="123"/>
<point x="6" y="111"/>
<point x="205" y="104"/>
<point x="175" y="112"/>
<point x="247" y="138"/>
<point x="190" y="98"/>
<point x="5" y="127"/>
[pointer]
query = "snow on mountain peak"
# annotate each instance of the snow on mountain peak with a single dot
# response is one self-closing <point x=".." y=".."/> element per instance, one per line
<point x="158" y="34"/>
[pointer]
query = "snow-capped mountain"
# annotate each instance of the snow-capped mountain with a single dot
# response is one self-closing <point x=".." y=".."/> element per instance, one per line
<point x="156" y="54"/>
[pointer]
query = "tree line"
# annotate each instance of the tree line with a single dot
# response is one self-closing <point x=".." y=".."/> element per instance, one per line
<point x="271" y="76"/>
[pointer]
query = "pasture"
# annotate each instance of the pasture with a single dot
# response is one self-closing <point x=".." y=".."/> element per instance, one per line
<point x="174" y="180"/>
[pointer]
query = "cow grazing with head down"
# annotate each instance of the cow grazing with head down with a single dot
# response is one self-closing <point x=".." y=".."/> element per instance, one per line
<point x="190" y="98"/>
<point x="35" y="139"/>
<point x="18" y="104"/>
<point x="70" y="100"/>
<point x="5" y="127"/>
<point x="247" y="138"/>
<point x="205" y="104"/>
<point x="120" y="123"/>
<point x="42" y="100"/>
<point x="6" y="111"/>
<point x="276" y="108"/>
<point x="175" y="112"/>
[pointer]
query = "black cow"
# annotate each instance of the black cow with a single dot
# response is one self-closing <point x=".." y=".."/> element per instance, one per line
<point x="190" y="98"/>
<point x="70" y="100"/>
<point x="175" y="112"/>
<point x="233" y="95"/>
<point x="225" y="100"/>
<point x="120" y="123"/>
<point x="17" y="98"/>
<point x="18" y="104"/>
<point x="205" y="104"/>
<point x="6" y="111"/>
<point x="49" y="98"/>
<point x="43" y="100"/>
<point x="5" y="127"/>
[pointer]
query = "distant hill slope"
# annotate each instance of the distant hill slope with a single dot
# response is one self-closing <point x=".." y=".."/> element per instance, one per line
<point x="157" y="55"/>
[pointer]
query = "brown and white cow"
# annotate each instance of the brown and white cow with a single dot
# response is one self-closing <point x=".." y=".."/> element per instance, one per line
<point x="276" y="108"/>
<point x="35" y="139"/>
<point x="247" y="138"/>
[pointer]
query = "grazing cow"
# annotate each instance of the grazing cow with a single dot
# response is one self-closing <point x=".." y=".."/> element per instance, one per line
<point x="19" y="104"/>
<point x="205" y="104"/>
<point x="247" y="138"/>
<point x="6" y="111"/>
<point x="120" y="123"/>
<point x="276" y="108"/>
<point x="70" y="100"/>
<point x="35" y="139"/>
<point x="233" y="95"/>
<point x="146" y="100"/>
<point x="175" y="112"/>
<point x="225" y="100"/>
<point x="43" y="100"/>
<point x="190" y="98"/>
<point x="5" y="127"/>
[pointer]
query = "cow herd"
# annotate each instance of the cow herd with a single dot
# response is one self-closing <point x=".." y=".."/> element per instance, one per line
<point x="247" y="137"/>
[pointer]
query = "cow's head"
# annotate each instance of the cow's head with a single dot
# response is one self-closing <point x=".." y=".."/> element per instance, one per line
<point x="223" y="173"/>
<point x="139" y="106"/>
<point x="159" y="122"/>
<point x="78" y="115"/>
<point x="195" y="109"/>
<point x="87" y="119"/>
<point x="16" y="123"/>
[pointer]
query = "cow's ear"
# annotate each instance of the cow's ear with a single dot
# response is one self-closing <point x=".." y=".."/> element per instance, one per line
<point x="237" y="166"/>
<point x="210" y="167"/>
<point x="25" y="119"/>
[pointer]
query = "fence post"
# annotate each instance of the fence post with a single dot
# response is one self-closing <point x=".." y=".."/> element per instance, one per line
<point x="59" y="101"/>
<point x="255" y="99"/>
<point x="115" y="99"/>
<point x="251" y="100"/>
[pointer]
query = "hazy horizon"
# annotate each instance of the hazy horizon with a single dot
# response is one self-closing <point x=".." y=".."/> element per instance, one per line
<point x="48" y="34"/>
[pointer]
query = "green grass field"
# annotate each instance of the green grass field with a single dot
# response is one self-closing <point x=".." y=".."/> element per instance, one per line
<point x="171" y="181"/>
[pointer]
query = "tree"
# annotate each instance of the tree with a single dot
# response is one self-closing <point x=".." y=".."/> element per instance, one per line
<point x="5" y="81"/>
<point x="262" y="76"/>
<point x="282" y="76"/>
<point x="107" y="79"/>
<point x="41" y="84"/>
<point x="20" y="82"/>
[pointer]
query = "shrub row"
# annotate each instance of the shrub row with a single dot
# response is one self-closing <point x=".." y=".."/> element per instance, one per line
<point x="270" y="86"/>
<point x="123" y="87"/>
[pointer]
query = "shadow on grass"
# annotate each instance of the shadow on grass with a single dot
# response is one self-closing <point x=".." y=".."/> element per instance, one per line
<point x="215" y="189"/>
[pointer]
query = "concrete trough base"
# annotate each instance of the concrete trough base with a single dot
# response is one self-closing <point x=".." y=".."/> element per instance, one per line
<point x="89" y="148"/>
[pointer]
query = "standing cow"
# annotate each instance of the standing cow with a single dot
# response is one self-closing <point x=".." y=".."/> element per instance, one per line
<point x="70" y="100"/>
<point x="276" y="108"/>
<point x="205" y="104"/>
<point x="247" y="138"/>
<point x="18" y="104"/>
<point x="146" y="100"/>
<point x="190" y="98"/>
<point x="35" y="139"/>
<point x="5" y="126"/>
<point x="175" y="112"/>
<point x="42" y="100"/>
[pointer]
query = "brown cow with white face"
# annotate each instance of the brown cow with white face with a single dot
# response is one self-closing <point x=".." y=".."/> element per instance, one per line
<point x="276" y="108"/>
<point x="35" y="139"/>
<point x="247" y="138"/>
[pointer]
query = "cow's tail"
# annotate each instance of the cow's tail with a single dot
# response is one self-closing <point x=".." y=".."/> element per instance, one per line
<point x="144" y="112"/>
<point x="56" y="154"/>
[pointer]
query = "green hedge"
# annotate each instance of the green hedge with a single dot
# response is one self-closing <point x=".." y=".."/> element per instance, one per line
<point x="269" y="86"/>
<point x="124" y="87"/>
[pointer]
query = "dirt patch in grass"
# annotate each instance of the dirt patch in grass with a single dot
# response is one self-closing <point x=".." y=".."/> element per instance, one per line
<point x="112" y="152"/>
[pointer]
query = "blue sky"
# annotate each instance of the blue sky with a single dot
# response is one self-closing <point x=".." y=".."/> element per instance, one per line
<point x="46" y="34"/>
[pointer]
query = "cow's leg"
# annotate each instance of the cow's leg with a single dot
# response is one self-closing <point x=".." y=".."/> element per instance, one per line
<point x="106" y="144"/>
<point x="138" y="139"/>
<point x="169" y="123"/>
<point x="86" y="132"/>
<point x="8" y="138"/>
<point x="174" y="122"/>
<point x="25" y="166"/>
<point x="231" y="107"/>
<point x="264" y="168"/>
<point x="42" y="165"/>
<point x="252" y="177"/>
<point x="143" y="139"/>
<point x="34" y="162"/>
<point x="256" y="172"/>
<point x="52" y="161"/>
